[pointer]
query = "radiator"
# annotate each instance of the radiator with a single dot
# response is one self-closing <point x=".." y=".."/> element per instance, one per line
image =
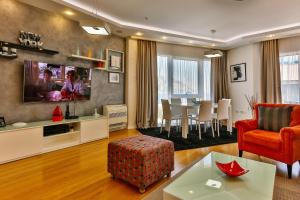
<point x="117" y="116"/>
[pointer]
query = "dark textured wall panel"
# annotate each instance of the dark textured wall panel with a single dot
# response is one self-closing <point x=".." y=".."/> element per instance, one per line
<point x="58" y="33"/>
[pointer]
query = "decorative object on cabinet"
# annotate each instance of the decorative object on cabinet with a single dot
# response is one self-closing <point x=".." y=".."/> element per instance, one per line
<point x="57" y="114"/>
<point x="115" y="60"/>
<point x="117" y="116"/>
<point x="238" y="72"/>
<point x="2" y="122"/>
<point x="19" y="124"/>
<point x="96" y="114"/>
<point x="113" y="77"/>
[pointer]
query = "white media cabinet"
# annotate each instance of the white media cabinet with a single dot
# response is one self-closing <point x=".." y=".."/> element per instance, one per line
<point x="17" y="143"/>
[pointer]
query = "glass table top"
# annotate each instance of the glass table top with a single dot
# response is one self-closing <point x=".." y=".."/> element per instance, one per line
<point x="205" y="181"/>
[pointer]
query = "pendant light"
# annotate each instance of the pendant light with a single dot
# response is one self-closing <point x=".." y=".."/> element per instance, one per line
<point x="95" y="27"/>
<point x="213" y="53"/>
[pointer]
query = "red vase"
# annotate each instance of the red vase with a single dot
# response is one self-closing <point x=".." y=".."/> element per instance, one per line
<point x="57" y="114"/>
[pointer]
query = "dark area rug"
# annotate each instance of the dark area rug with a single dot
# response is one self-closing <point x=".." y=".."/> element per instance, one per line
<point x="192" y="140"/>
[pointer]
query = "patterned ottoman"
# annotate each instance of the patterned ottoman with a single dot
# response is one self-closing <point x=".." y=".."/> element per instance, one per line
<point x="141" y="160"/>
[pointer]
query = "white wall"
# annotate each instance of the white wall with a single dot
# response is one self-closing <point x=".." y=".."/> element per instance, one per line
<point x="249" y="54"/>
<point x="131" y="82"/>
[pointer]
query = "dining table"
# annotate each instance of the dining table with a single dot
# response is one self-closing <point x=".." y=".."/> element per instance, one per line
<point x="188" y="106"/>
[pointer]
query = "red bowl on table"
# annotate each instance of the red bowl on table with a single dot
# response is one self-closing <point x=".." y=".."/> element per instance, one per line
<point x="232" y="168"/>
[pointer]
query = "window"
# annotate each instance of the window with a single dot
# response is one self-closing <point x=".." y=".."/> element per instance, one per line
<point x="289" y="72"/>
<point x="183" y="77"/>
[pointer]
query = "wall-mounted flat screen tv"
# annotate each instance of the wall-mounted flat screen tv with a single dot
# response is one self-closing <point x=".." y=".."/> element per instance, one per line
<point x="44" y="82"/>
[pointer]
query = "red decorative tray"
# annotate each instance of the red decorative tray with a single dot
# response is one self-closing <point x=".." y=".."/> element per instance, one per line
<point x="232" y="168"/>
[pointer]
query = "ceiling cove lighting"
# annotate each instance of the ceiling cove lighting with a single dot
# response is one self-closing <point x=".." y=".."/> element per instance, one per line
<point x="139" y="34"/>
<point x="213" y="53"/>
<point x="68" y="12"/>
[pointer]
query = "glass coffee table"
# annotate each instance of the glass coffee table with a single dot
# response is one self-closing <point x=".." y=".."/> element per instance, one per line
<point x="205" y="181"/>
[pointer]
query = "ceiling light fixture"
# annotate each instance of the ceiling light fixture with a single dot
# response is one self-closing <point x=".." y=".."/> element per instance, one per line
<point x="191" y="42"/>
<point x="139" y="34"/>
<point x="69" y="12"/>
<point x="213" y="53"/>
<point x="95" y="27"/>
<point x="95" y="30"/>
<point x="164" y="37"/>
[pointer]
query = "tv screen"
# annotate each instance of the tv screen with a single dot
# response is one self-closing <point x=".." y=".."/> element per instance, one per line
<point x="44" y="82"/>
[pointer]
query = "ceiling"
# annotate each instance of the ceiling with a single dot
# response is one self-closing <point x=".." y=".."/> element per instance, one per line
<point x="190" y="22"/>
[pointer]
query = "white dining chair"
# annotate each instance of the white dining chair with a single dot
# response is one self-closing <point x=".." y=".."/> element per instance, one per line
<point x="175" y="106"/>
<point x="168" y="116"/>
<point x="205" y="116"/>
<point x="222" y="113"/>
<point x="192" y="112"/>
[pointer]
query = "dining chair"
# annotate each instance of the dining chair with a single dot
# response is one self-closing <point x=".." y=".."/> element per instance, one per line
<point x="176" y="109"/>
<point x="192" y="111"/>
<point x="168" y="116"/>
<point x="205" y="116"/>
<point x="222" y="113"/>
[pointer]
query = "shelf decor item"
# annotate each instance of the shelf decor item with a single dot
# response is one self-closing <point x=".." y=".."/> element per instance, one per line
<point x="2" y="122"/>
<point x="238" y="72"/>
<point x="113" y="77"/>
<point x="29" y="39"/>
<point x="115" y="61"/>
<point x="232" y="169"/>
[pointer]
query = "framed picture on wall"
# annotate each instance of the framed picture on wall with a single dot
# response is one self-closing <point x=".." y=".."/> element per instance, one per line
<point x="113" y="77"/>
<point x="238" y="72"/>
<point x="115" y="61"/>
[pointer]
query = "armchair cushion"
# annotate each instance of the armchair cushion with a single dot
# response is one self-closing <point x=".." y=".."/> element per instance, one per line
<point x="268" y="139"/>
<point x="274" y="118"/>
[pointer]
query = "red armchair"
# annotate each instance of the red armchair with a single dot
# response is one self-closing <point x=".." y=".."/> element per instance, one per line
<point x="283" y="146"/>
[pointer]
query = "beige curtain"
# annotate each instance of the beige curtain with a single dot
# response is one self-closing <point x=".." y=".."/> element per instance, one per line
<point x="147" y="84"/>
<point x="271" y="84"/>
<point x="220" y="77"/>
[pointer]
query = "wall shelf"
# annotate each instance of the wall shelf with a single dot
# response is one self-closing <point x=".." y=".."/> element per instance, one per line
<point x="18" y="46"/>
<point x="101" y="64"/>
<point x="87" y="58"/>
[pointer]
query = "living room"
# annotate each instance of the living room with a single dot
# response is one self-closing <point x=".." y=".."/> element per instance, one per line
<point x="140" y="100"/>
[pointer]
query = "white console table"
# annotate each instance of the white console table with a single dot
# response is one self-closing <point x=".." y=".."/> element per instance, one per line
<point x="21" y="142"/>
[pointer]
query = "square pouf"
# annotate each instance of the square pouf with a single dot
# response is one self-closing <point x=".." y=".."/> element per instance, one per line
<point x="141" y="160"/>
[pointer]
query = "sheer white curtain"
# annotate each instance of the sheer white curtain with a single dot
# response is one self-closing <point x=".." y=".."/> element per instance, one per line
<point x="289" y="72"/>
<point x="207" y="93"/>
<point x="185" y="77"/>
<point x="163" y="77"/>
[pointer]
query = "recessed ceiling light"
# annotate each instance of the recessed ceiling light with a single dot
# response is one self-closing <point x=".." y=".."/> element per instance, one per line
<point x="164" y="37"/>
<point x="213" y="44"/>
<point x="69" y="12"/>
<point x="139" y="34"/>
<point x="191" y="42"/>
<point x="271" y="35"/>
